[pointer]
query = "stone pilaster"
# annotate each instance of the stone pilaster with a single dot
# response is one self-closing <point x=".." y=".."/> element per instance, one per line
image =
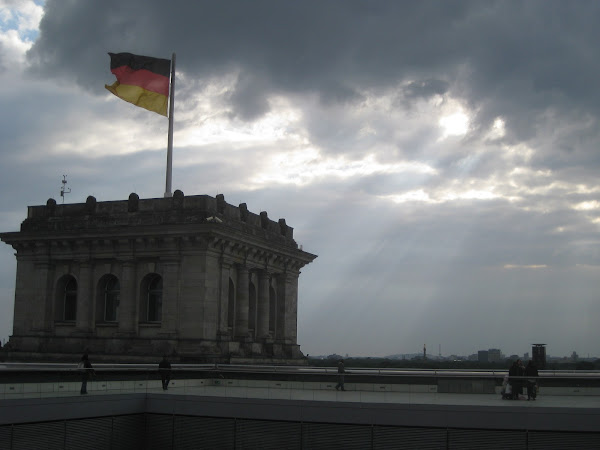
<point x="128" y="304"/>
<point x="280" y="307"/>
<point x="262" y="325"/>
<point x="287" y="308"/>
<point x="242" y="307"/>
<point x="291" y="308"/>
<point x="85" y="297"/>
<point x="43" y="300"/>
<point x="224" y="298"/>
<point x="22" y="314"/>
<point x="170" y="299"/>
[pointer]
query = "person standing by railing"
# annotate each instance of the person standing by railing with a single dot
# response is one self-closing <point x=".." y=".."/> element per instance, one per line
<point x="531" y="371"/>
<point x="515" y="373"/>
<point x="164" y="368"/>
<point x="341" y="372"/>
<point x="86" y="369"/>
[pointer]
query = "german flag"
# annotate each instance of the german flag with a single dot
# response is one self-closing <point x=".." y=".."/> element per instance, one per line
<point x="141" y="80"/>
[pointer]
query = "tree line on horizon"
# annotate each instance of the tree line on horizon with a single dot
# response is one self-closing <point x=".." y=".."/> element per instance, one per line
<point x="420" y="363"/>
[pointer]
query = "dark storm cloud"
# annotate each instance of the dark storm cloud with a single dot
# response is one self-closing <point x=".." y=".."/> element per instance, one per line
<point x="510" y="59"/>
<point x="249" y="97"/>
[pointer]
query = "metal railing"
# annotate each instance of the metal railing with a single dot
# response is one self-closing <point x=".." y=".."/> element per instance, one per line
<point x="57" y="378"/>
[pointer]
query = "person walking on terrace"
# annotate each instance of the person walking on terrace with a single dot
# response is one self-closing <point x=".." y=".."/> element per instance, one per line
<point x="341" y="372"/>
<point x="86" y="369"/>
<point x="164" y="368"/>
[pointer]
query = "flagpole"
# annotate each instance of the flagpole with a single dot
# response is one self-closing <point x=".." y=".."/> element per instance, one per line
<point x="168" y="192"/>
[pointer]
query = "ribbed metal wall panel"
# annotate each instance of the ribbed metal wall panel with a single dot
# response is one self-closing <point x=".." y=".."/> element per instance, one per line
<point x="267" y="435"/>
<point x="335" y="436"/>
<point x="128" y="432"/>
<point x="5" y="436"/>
<point x="487" y="439"/>
<point x="88" y="434"/>
<point x="193" y="433"/>
<point x="396" y="438"/>
<point x="45" y="435"/>
<point x="554" y="440"/>
<point x="159" y="431"/>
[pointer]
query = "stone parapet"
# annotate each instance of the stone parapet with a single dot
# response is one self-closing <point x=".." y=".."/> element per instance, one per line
<point x="135" y="212"/>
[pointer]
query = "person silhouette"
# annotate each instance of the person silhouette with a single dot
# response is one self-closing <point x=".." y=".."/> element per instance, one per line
<point x="341" y="372"/>
<point x="164" y="368"/>
<point x="86" y="369"/>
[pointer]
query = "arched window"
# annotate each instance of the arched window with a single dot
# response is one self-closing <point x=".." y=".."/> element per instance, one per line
<point x="109" y="293"/>
<point x="150" y="300"/>
<point x="70" y="296"/>
<point x="154" y="298"/>
<point x="66" y="299"/>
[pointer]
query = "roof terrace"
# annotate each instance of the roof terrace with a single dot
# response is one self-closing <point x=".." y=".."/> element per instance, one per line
<point x="452" y="406"/>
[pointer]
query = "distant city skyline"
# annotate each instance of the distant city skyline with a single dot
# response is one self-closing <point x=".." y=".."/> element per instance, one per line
<point x="462" y="355"/>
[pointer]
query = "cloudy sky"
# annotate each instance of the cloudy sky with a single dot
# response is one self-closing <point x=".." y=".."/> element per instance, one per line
<point x="441" y="158"/>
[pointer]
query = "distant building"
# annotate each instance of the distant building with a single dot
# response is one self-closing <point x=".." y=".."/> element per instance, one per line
<point x="538" y="352"/>
<point x="483" y="356"/>
<point x="494" y="355"/>
<point x="193" y="277"/>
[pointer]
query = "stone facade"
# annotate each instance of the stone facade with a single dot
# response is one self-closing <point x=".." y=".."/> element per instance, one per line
<point x="193" y="277"/>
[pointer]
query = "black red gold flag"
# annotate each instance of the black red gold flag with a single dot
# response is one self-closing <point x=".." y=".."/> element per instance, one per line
<point x="141" y="80"/>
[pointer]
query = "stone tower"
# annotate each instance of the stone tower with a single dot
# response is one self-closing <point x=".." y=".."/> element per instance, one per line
<point x="192" y="277"/>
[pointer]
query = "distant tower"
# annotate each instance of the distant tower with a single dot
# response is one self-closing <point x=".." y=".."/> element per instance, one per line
<point x="424" y="351"/>
<point x="192" y="277"/>
<point x="538" y="352"/>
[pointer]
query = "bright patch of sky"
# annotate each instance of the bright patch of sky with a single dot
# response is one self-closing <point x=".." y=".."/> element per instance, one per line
<point x="19" y="28"/>
<point x="454" y="117"/>
<point x="587" y="206"/>
<point x="217" y="126"/>
<point x="443" y="196"/>
<point x="22" y="16"/>
<point x="308" y="165"/>
<point x="455" y="124"/>
<point x="498" y="129"/>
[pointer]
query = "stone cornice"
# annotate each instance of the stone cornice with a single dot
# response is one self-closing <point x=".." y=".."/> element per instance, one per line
<point x="237" y="247"/>
<point x="154" y="228"/>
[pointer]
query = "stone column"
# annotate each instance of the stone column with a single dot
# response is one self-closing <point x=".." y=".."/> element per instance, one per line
<point x="127" y="299"/>
<point x="280" y="307"/>
<point x="224" y="299"/>
<point x="262" y="308"/>
<point x="84" y="298"/>
<point x="291" y="308"/>
<point x="287" y="308"/>
<point x="242" y="302"/>
<point x="170" y="296"/>
<point x="42" y="307"/>
<point x="23" y="290"/>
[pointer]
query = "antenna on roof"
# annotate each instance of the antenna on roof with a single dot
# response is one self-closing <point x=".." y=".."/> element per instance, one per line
<point x="64" y="189"/>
